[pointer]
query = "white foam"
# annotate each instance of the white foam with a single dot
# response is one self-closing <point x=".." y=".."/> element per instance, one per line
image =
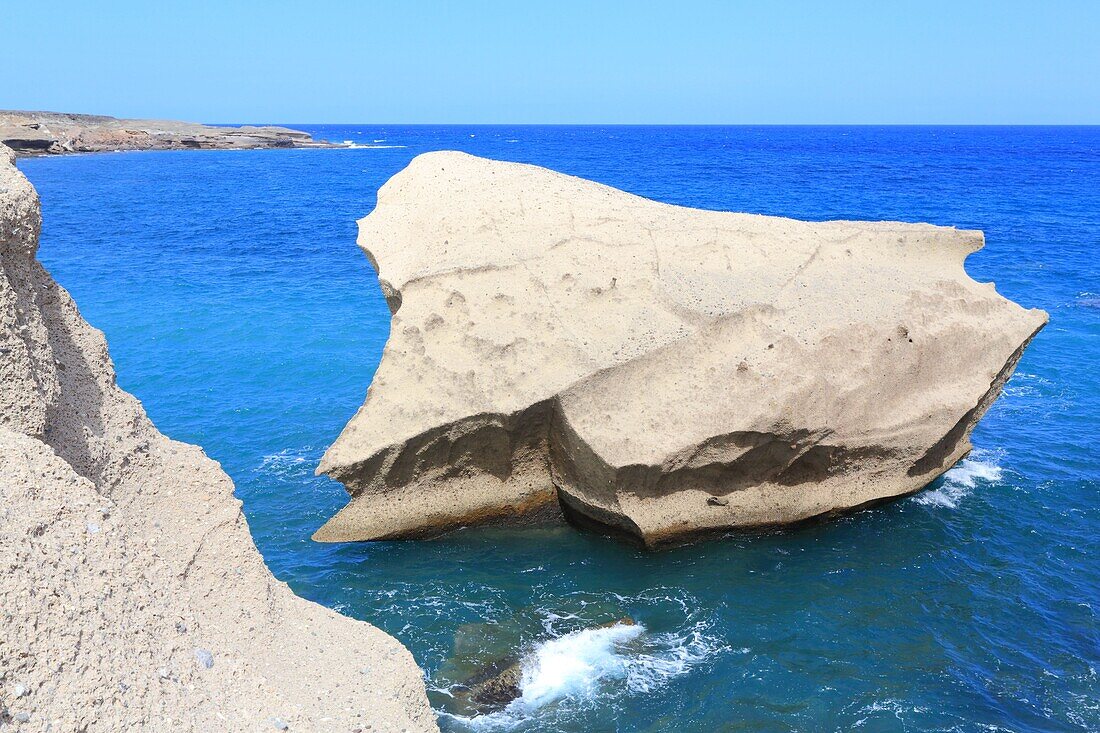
<point x="891" y="707"/>
<point x="579" y="666"/>
<point x="286" y="460"/>
<point x="981" y="467"/>
<point x="356" y="146"/>
<point x="573" y="664"/>
<point x="1026" y="385"/>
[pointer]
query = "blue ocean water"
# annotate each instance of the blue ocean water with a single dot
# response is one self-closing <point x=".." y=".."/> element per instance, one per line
<point x="239" y="310"/>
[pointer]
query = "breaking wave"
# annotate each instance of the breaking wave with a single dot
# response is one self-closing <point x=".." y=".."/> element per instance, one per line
<point x="356" y="146"/>
<point x="574" y="664"/>
<point x="583" y="666"/>
<point x="980" y="467"/>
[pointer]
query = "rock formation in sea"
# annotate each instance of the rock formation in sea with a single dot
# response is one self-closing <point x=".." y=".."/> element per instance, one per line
<point x="655" y="370"/>
<point x="132" y="595"/>
<point x="51" y="133"/>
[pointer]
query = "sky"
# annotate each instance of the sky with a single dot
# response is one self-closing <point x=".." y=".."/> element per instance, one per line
<point x="565" y="61"/>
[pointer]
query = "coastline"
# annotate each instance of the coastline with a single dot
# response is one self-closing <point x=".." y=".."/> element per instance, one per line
<point x="105" y="227"/>
<point x="34" y="134"/>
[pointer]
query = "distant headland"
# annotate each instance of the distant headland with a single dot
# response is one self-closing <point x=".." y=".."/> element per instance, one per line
<point x="59" y="133"/>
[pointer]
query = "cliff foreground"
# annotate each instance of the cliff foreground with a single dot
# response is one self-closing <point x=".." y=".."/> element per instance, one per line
<point x="559" y="346"/>
<point x="132" y="595"/>
<point x="56" y="133"/>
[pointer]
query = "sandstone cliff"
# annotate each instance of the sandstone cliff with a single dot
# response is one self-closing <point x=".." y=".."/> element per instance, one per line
<point x="657" y="370"/>
<point x="133" y="596"/>
<point x="51" y="133"/>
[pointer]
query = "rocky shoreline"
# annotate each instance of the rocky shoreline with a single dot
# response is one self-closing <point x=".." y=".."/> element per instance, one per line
<point x="133" y="595"/>
<point x="58" y="133"/>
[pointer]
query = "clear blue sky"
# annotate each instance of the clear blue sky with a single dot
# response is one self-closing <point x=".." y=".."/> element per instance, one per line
<point x="566" y="61"/>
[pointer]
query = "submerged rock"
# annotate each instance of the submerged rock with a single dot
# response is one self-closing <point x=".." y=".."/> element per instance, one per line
<point x="493" y="686"/>
<point x="94" y="599"/>
<point x="655" y="370"/>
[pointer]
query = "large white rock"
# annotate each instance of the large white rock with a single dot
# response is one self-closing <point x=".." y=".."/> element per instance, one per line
<point x="658" y="370"/>
<point x="131" y="595"/>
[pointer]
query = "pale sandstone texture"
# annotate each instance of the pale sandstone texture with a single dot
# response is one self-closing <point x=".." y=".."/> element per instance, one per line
<point x="133" y="598"/>
<point x="52" y="133"/>
<point x="660" y="371"/>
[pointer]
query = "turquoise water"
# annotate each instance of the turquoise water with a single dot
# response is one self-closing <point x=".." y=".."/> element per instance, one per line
<point x="240" y="311"/>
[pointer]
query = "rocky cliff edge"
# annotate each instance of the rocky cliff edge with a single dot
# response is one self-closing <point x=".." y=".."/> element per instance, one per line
<point x="133" y="596"/>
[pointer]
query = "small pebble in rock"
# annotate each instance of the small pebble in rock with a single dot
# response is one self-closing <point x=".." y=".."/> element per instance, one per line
<point x="181" y="627"/>
<point x="93" y="527"/>
<point x="22" y="717"/>
<point x="204" y="658"/>
<point x="163" y="672"/>
<point x="20" y="690"/>
<point x="279" y="724"/>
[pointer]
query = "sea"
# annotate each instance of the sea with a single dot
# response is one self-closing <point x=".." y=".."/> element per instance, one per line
<point x="240" y="311"/>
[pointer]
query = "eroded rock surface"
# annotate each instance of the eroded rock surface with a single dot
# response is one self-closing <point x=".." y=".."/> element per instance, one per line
<point x="658" y="370"/>
<point x="132" y="595"/>
<point x="52" y="133"/>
